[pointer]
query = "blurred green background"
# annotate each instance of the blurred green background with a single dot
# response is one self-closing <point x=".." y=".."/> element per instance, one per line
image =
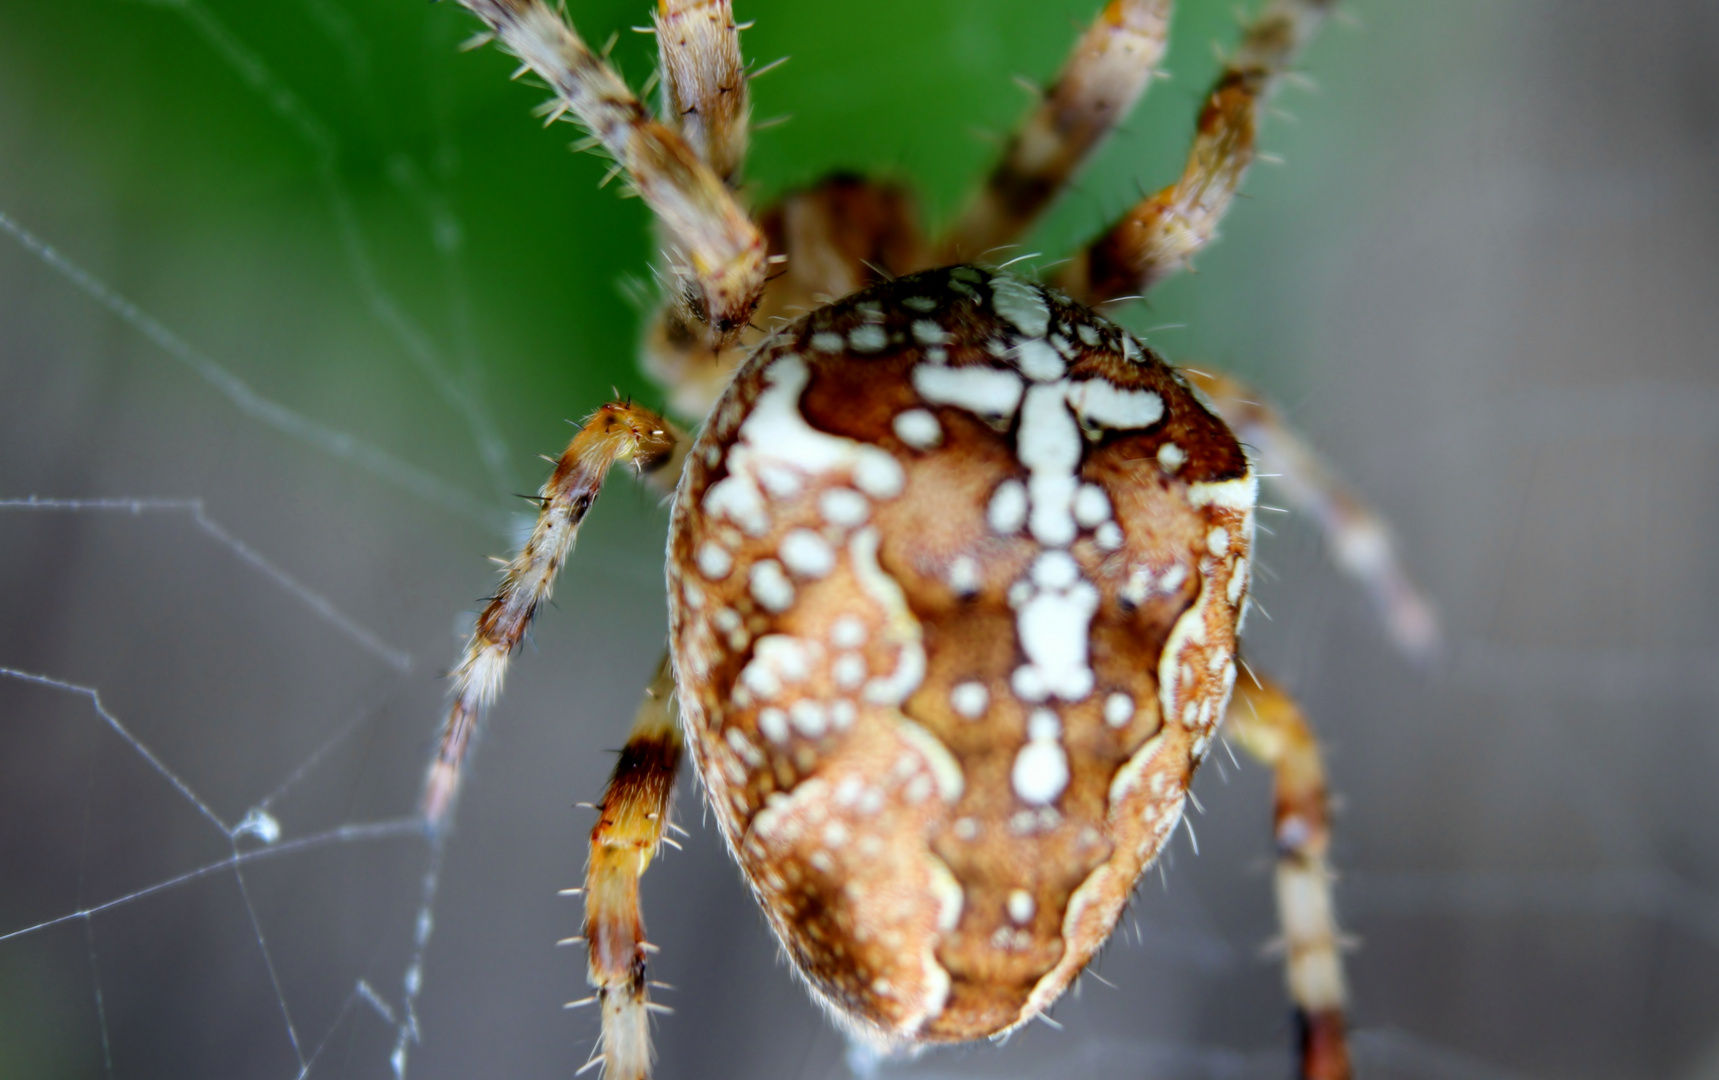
<point x="1483" y="281"/>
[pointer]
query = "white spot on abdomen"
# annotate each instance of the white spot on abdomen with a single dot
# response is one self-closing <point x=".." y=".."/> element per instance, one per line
<point x="737" y="498"/>
<point x="1048" y="444"/>
<point x="1118" y="710"/>
<point x="868" y="338"/>
<point x="807" y="554"/>
<point x="848" y="632"/>
<point x="1052" y="628"/>
<point x="1008" y="509"/>
<point x="927" y="332"/>
<point x="809" y="718"/>
<point x="1022" y="304"/>
<point x="878" y="474"/>
<point x="1102" y="403"/>
<point x="964" y="575"/>
<point x="776" y="438"/>
<point x="984" y="391"/>
<point x="1091" y="506"/>
<point x="843" y="506"/>
<point x="970" y="699"/>
<point x="1055" y="570"/>
<point x="918" y="428"/>
<point x="1041" y="768"/>
<point x="902" y="628"/>
<point x="1038" y="361"/>
<point x="714" y="562"/>
<point x="1021" y="906"/>
<point x="770" y="586"/>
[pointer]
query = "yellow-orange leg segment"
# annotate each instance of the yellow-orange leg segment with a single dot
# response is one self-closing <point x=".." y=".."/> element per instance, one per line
<point x="705" y="93"/>
<point x="1164" y="231"/>
<point x="1359" y="541"/>
<point x="1104" y="76"/>
<point x="1265" y="721"/>
<point x="617" y="433"/>
<point x="631" y="821"/>
<point x="714" y="247"/>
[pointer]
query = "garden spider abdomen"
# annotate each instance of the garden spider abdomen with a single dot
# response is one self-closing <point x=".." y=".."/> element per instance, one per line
<point x="955" y="571"/>
<point x="956" y="565"/>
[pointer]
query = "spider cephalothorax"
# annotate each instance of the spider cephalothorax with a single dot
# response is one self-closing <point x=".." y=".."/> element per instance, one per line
<point x="956" y="565"/>
<point x="946" y="557"/>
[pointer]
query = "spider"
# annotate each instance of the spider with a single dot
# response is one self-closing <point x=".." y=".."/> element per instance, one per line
<point x="956" y="565"/>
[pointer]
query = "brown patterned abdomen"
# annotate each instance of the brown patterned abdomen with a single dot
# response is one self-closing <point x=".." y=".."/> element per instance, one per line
<point x="955" y="575"/>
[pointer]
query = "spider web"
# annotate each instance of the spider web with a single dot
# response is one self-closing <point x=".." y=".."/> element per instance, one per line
<point x="289" y="296"/>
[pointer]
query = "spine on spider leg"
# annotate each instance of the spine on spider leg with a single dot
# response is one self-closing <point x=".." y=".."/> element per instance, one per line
<point x="1359" y="541"/>
<point x="1104" y="77"/>
<point x="632" y="818"/>
<point x="714" y="243"/>
<point x="705" y="92"/>
<point x="1266" y="722"/>
<point x="617" y="433"/>
<point x="1161" y="234"/>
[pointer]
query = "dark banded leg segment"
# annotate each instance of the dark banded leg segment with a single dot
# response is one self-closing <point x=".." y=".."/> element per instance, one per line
<point x="1164" y="231"/>
<point x="632" y="818"/>
<point x="1359" y="541"/>
<point x="1099" y="84"/>
<point x="1266" y="722"/>
<point x="617" y="433"/>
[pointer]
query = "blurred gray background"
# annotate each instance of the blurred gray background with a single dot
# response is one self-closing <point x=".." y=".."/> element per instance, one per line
<point x="1484" y="282"/>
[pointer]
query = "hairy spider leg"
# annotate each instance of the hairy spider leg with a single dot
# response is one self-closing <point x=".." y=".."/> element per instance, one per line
<point x="617" y="433"/>
<point x="1359" y="541"/>
<point x="1265" y="721"/>
<point x="1109" y="69"/>
<point x="632" y="819"/>
<point x="1163" y="232"/>
<point x="715" y="250"/>
<point x="705" y="84"/>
